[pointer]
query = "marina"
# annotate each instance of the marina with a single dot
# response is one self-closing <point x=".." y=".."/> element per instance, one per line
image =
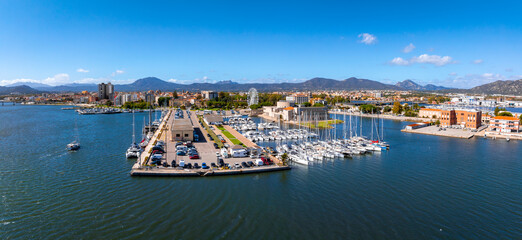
<point x="393" y="191"/>
<point x="198" y="158"/>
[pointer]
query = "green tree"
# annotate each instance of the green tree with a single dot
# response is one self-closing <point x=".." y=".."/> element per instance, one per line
<point x="387" y="109"/>
<point x="520" y="119"/>
<point x="416" y="106"/>
<point x="369" y="108"/>
<point x="284" y="158"/>
<point x="318" y="105"/>
<point x="307" y="104"/>
<point x="505" y="114"/>
<point x="175" y="95"/>
<point x="163" y="101"/>
<point x="437" y="122"/>
<point x="497" y="110"/>
<point x="255" y="106"/>
<point x="397" y="108"/>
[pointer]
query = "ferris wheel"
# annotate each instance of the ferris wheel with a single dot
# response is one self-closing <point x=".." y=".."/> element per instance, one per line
<point x="253" y="98"/>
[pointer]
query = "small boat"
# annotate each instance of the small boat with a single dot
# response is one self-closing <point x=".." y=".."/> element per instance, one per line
<point x="134" y="150"/>
<point x="73" y="146"/>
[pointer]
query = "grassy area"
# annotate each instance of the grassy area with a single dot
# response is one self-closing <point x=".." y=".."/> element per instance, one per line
<point x="322" y="124"/>
<point x="229" y="135"/>
<point x="212" y="134"/>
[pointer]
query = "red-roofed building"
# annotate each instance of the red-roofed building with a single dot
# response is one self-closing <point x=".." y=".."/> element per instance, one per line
<point x="504" y="124"/>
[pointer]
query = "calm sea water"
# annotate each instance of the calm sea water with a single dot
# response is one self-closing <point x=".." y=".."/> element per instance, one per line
<point x="425" y="187"/>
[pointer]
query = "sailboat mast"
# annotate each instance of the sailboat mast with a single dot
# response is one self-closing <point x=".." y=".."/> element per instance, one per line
<point x="133" y="129"/>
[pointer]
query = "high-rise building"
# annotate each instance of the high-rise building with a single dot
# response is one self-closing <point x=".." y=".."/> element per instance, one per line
<point x="105" y="91"/>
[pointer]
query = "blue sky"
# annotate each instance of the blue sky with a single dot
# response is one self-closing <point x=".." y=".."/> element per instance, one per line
<point x="451" y="43"/>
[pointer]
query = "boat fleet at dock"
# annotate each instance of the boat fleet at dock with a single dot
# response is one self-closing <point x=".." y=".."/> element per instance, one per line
<point x="104" y="110"/>
<point x="304" y="145"/>
<point x="306" y="152"/>
<point x="135" y="149"/>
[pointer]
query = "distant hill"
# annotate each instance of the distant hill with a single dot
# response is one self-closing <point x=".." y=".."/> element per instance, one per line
<point x="314" y="84"/>
<point x="23" y="89"/>
<point x="29" y="84"/>
<point x="508" y="87"/>
<point x="411" y="85"/>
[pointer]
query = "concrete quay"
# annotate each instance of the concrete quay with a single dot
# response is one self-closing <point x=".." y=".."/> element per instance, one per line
<point x="449" y="132"/>
<point x="206" y="152"/>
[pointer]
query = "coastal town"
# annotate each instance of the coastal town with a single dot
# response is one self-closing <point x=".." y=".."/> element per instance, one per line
<point x="211" y="133"/>
<point x="444" y="114"/>
<point x="261" y="120"/>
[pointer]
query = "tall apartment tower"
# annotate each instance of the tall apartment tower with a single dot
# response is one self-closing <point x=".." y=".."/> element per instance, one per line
<point x="105" y="91"/>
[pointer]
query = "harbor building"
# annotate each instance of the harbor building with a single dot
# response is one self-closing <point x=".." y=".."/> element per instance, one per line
<point x="310" y="113"/>
<point x="429" y="113"/>
<point x="471" y="119"/>
<point x="284" y="111"/>
<point x="209" y="95"/>
<point x="212" y="119"/>
<point x="182" y="130"/>
<point x="105" y="91"/>
<point x="504" y="124"/>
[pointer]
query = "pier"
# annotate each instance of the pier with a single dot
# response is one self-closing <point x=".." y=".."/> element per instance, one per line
<point x="206" y="151"/>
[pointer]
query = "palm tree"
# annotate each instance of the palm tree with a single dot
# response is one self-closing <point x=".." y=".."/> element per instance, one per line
<point x="284" y="158"/>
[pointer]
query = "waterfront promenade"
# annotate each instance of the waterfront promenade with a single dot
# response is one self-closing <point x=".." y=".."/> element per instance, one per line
<point x="448" y="132"/>
<point x="384" y="116"/>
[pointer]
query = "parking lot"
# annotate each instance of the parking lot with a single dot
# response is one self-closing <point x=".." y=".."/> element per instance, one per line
<point x="205" y="148"/>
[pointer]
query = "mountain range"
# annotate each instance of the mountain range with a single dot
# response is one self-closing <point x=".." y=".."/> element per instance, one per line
<point x="314" y="84"/>
<point x="411" y="85"/>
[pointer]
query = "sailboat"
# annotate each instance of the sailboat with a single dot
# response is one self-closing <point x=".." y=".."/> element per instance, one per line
<point x="75" y="145"/>
<point x="134" y="150"/>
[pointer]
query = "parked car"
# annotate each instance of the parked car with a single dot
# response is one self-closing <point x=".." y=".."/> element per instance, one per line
<point x="181" y="153"/>
<point x="158" y="148"/>
<point x="173" y="164"/>
<point x="244" y="164"/>
<point x="213" y="165"/>
<point x="250" y="164"/>
<point x="196" y="165"/>
<point x="189" y="165"/>
<point x="237" y="165"/>
<point x="182" y="164"/>
<point x="216" y="146"/>
<point x="194" y="156"/>
<point x="204" y="166"/>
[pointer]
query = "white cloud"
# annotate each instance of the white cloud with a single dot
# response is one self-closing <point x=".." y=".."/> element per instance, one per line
<point x="424" y="58"/>
<point x="81" y="70"/>
<point x="367" y="38"/>
<point x="58" y="79"/>
<point x="118" y="72"/>
<point x="478" y="61"/>
<point x="399" y="61"/>
<point x="453" y="74"/>
<point x="408" y="48"/>
<point x="473" y="80"/>
<point x="11" y="81"/>
<point x="179" y="81"/>
<point x="432" y="59"/>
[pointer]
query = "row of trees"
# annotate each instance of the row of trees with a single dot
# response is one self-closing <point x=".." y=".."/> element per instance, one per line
<point x="137" y="105"/>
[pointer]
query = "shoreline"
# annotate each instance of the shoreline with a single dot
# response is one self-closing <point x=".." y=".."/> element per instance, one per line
<point x="385" y="116"/>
